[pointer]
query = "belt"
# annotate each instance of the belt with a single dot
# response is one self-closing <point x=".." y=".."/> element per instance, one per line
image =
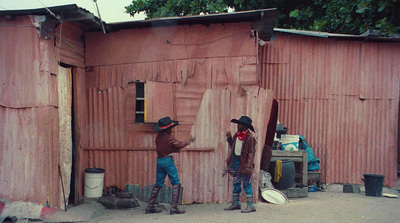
<point x="167" y="156"/>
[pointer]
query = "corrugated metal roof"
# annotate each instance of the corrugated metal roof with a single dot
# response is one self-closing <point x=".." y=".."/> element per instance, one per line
<point x="264" y="19"/>
<point x="337" y="35"/>
<point x="66" y="13"/>
<point x="267" y="16"/>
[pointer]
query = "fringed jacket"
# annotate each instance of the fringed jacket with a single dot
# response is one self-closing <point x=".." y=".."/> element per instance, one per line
<point x="247" y="154"/>
<point x="167" y="144"/>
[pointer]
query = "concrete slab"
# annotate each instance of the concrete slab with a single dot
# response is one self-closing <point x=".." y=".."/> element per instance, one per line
<point x="118" y="203"/>
<point x="22" y="210"/>
<point x="351" y="188"/>
<point x="82" y="213"/>
<point x="295" y="192"/>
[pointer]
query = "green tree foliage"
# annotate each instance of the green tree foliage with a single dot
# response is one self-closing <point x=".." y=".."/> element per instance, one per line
<point x="335" y="16"/>
<point x="347" y="16"/>
<point x="171" y="8"/>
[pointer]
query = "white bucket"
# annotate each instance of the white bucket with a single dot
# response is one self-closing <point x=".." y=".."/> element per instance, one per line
<point x="290" y="142"/>
<point x="94" y="181"/>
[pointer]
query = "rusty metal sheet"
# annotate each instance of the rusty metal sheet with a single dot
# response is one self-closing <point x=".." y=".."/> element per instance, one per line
<point x="159" y="99"/>
<point x="342" y="96"/>
<point x="80" y="126"/>
<point x="70" y="47"/>
<point x="191" y="70"/>
<point x="21" y="67"/>
<point x="200" y="165"/>
<point x="30" y="155"/>
<point x="29" y="116"/>
<point x="170" y="43"/>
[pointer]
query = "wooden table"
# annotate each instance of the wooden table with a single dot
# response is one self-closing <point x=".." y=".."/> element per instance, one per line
<point x="300" y="156"/>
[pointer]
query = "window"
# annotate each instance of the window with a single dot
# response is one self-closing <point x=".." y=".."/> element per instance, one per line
<point x="153" y="100"/>
<point x="140" y="103"/>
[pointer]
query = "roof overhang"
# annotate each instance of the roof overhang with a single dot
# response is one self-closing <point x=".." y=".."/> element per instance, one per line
<point x="338" y="36"/>
<point x="65" y="13"/>
<point x="262" y="20"/>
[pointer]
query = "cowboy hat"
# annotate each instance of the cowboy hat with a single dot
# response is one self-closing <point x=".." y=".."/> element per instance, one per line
<point x="244" y="120"/>
<point x="164" y="123"/>
<point x="274" y="196"/>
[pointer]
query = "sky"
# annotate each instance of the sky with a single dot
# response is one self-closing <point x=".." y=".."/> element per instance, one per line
<point x="110" y="10"/>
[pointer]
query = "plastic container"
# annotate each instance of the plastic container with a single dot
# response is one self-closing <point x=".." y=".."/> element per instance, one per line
<point x="373" y="184"/>
<point x="312" y="189"/>
<point x="290" y="142"/>
<point x="280" y="130"/>
<point x="288" y="174"/>
<point x="94" y="181"/>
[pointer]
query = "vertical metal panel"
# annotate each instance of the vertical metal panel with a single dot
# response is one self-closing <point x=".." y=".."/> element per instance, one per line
<point x="70" y="45"/>
<point x="343" y="97"/>
<point x="29" y="157"/>
<point x="170" y="43"/>
<point x="29" y="141"/>
<point x="80" y="126"/>
<point x="158" y="98"/>
<point x="209" y="114"/>
<point x="130" y="157"/>
<point x="29" y="113"/>
<point x="200" y="170"/>
<point x="20" y="44"/>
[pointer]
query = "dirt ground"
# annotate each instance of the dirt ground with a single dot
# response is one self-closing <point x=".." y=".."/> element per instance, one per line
<point x="330" y="206"/>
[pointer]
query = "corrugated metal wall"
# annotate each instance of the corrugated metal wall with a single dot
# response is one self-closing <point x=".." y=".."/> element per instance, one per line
<point x="194" y="59"/>
<point x="29" y="143"/>
<point x="70" y="47"/>
<point x="126" y="150"/>
<point x="80" y="125"/>
<point x="343" y="97"/>
<point x="29" y="116"/>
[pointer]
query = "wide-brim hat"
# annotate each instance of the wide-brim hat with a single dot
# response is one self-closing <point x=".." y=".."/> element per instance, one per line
<point x="165" y="123"/>
<point x="274" y="196"/>
<point x="244" y="120"/>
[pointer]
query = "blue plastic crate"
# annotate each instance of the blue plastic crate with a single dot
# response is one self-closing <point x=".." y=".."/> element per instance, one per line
<point x="312" y="189"/>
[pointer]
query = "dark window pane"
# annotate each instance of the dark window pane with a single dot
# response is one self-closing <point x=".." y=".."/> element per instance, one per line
<point x="140" y="105"/>
<point x="139" y="118"/>
<point x="140" y="90"/>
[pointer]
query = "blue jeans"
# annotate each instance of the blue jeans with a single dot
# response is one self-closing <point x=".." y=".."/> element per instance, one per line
<point x="237" y="189"/>
<point x="166" y="166"/>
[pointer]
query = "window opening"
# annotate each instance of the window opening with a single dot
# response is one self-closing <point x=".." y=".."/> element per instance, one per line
<point x="140" y="103"/>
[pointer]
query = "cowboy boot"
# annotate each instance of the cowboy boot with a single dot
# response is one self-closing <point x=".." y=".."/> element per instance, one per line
<point x="250" y="204"/>
<point x="150" y="209"/>
<point x="235" y="203"/>
<point x="175" y="200"/>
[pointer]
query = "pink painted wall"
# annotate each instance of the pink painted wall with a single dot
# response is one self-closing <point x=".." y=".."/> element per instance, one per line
<point x="169" y="43"/>
<point x="29" y="117"/>
<point x="343" y="97"/>
<point x="194" y="60"/>
<point x="29" y="144"/>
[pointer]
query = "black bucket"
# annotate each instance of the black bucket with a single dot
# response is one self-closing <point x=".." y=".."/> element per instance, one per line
<point x="373" y="184"/>
<point x="288" y="174"/>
